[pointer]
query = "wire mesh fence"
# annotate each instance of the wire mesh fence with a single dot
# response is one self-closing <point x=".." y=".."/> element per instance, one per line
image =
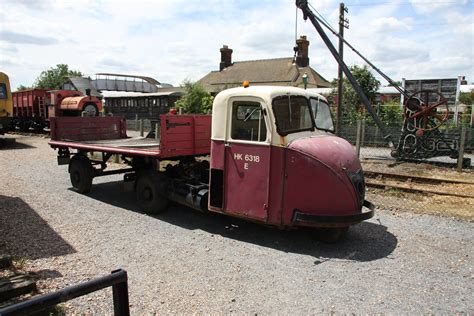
<point x="440" y="183"/>
<point x="428" y="171"/>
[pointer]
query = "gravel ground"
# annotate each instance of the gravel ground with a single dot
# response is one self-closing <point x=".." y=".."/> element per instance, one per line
<point x="188" y="262"/>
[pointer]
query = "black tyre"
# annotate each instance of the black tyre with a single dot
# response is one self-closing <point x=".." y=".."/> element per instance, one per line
<point x="81" y="173"/>
<point x="38" y="127"/>
<point x="331" y="235"/>
<point x="140" y="163"/>
<point x="91" y="110"/>
<point x="24" y="126"/>
<point x="150" y="192"/>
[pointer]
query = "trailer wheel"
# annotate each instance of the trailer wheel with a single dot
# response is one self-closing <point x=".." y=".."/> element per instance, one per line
<point x="81" y="174"/>
<point x="331" y="235"/>
<point x="149" y="191"/>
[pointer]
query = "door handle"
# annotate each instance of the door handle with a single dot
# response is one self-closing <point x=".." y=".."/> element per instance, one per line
<point x="227" y="145"/>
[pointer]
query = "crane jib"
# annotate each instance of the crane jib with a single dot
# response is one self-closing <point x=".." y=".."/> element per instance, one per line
<point x="307" y="13"/>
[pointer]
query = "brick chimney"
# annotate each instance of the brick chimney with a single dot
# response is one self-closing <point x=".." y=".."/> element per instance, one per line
<point x="302" y="59"/>
<point x="226" y="57"/>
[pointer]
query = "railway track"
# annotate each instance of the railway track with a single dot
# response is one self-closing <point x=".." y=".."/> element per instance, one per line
<point x="420" y="184"/>
<point x="467" y="164"/>
<point x="29" y="133"/>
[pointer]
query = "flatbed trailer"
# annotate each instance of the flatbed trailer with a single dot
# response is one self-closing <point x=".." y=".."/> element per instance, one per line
<point x="272" y="159"/>
<point x="182" y="137"/>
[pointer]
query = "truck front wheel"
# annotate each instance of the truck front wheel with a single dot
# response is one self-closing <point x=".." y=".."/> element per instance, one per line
<point x="331" y="235"/>
<point x="81" y="174"/>
<point x="150" y="192"/>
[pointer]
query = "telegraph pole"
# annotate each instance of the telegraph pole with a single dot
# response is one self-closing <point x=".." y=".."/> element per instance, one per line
<point x="343" y="23"/>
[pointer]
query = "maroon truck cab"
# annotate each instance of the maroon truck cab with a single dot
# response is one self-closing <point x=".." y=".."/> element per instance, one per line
<point x="274" y="159"/>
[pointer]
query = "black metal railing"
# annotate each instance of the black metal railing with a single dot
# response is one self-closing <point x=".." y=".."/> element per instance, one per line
<point x="117" y="280"/>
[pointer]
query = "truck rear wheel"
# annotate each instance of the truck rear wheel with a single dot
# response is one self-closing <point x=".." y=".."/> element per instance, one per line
<point x="150" y="192"/>
<point x="81" y="174"/>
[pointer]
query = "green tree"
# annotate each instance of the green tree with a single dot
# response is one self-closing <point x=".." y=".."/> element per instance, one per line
<point x="352" y="106"/>
<point x="195" y="99"/>
<point x="55" y="77"/>
<point x="367" y="82"/>
<point x="398" y="83"/>
<point x="467" y="97"/>
<point x="390" y="113"/>
<point x="22" y="88"/>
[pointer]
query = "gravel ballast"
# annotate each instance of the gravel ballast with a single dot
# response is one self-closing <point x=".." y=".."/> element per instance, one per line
<point x="187" y="262"/>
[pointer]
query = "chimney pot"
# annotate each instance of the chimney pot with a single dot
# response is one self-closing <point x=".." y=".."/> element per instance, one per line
<point x="302" y="44"/>
<point x="226" y="57"/>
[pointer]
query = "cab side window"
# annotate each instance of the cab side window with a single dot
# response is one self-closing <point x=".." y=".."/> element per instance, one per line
<point x="248" y="122"/>
<point x="322" y="115"/>
<point x="3" y="91"/>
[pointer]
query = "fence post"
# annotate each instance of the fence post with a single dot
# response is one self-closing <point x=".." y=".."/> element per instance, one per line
<point x="461" y="147"/>
<point x="117" y="280"/>
<point x="120" y="297"/>
<point x="376" y="136"/>
<point x="141" y="127"/>
<point x="472" y="115"/>
<point x="136" y="122"/>
<point x="362" y="137"/>
<point x="157" y="130"/>
<point x="358" y="137"/>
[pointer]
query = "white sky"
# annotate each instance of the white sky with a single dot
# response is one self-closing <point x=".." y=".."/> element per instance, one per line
<point x="176" y="40"/>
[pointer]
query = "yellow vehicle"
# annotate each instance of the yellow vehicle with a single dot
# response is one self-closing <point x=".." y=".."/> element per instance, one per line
<point x="6" y="103"/>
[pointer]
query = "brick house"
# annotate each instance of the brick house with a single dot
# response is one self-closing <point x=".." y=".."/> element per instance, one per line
<point x="287" y="71"/>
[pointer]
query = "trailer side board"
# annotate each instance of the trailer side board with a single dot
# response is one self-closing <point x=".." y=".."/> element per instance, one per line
<point x="87" y="128"/>
<point x="181" y="135"/>
<point x="185" y="135"/>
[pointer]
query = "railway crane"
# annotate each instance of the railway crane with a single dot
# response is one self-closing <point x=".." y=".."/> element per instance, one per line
<point x="421" y="137"/>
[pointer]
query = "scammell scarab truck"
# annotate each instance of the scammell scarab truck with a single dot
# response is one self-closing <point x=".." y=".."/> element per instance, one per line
<point x="267" y="154"/>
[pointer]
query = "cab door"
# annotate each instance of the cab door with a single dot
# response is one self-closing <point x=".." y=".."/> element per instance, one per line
<point x="247" y="161"/>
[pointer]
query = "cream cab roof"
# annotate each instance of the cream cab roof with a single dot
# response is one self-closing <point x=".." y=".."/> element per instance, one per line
<point x="221" y="110"/>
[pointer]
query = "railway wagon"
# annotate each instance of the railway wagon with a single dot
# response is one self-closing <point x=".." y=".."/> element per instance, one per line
<point x="6" y="104"/>
<point x="29" y="109"/>
<point x="273" y="160"/>
<point x="33" y="108"/>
